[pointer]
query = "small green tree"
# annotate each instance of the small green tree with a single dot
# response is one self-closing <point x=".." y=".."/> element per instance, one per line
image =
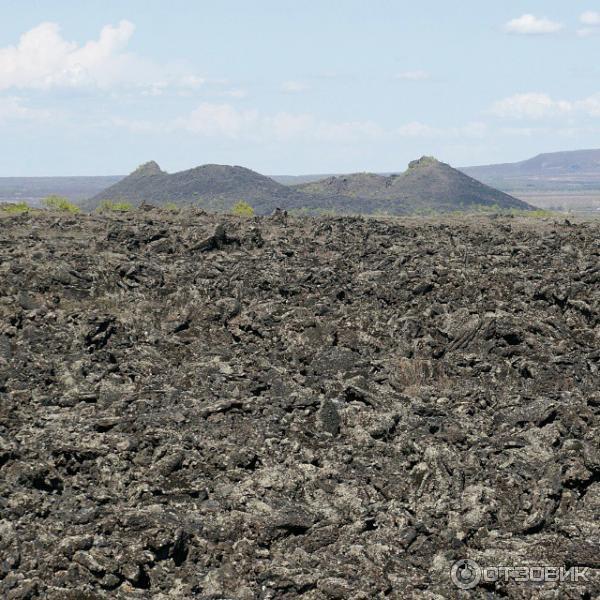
<point x="242" y="209"/>
<point x="60" y="203"/>
<point x="171" y="207"/>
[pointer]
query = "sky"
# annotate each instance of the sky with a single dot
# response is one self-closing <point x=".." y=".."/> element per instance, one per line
<point x="291" y="87"/>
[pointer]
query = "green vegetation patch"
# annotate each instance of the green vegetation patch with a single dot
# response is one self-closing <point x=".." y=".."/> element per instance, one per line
<point x="15" y="208"/>
<point x="242" y="209"/>
<point x="111" y="206"/>
<point x="60" y="203"/>
<point x="538" y="213"/>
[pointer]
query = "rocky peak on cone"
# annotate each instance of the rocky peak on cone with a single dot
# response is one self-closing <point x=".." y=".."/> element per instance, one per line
<point x="149" y="168"/>
<point x="424" y="161"/>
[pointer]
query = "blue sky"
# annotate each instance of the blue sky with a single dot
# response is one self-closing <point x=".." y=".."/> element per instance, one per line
<point x="290" y="87"/>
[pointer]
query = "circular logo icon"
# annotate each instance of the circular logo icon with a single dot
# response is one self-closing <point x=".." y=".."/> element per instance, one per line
<point x="465" y="574"/>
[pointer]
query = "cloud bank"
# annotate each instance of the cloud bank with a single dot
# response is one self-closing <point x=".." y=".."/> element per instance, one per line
<point x="294" y="87"/>
<point x="413" y="76"/>
<point x="531" y="25"/>
<point x="13" y="109"/>
<point x="43" y="59"/>
<point x="591" y="22"/>
<point x="535" y="105"/>
<point x="214" y="120"/>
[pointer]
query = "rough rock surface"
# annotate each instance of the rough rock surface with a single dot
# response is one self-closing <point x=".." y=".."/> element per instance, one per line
<point x="195" y="406"/>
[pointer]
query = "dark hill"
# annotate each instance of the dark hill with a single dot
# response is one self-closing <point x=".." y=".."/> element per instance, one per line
<point x="427" y="184"/>
<point x="214" y="187"/>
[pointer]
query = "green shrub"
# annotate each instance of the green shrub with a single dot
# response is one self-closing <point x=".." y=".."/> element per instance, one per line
<point x="171" y="207"/>
<point x="111" y="206"/>
<point x="538" y="213"/>
<point x="60" y="203"/>
<point x="242" y="209"/>
<point x="16" y="208"/>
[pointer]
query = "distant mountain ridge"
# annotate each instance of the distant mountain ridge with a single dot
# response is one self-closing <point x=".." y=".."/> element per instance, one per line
<point x="550" y="163"/>
<point x="34" y="189"/>
<point x="562" y="177"/>
<point x="574" y="170"/>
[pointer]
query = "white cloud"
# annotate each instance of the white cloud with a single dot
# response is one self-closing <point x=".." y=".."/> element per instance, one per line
<point x="43" y="59"/>
<point x="586" y="31"/>
<point x="413" y="75"/>
<point x="287" y="125"/>
<point x="530" y="106"/>
<point x="476" y="129"/>
<point x="235" y="93"/>
<point x="346" y="131"/>
<point x="590" y="18"/>
<point x="219" y="120"/>
<point x="519" y="131"/>
<point x="421" y="130"/>
<point x="540" y="106"/>
<point x="192" y="82"/>
<point x="590" y="105"/>
<point x="227" y="121"/>
<point x="294" y="87"/>
<point x="531" y="25"/>
<point x="417" y="130"/>
<point x="12" y="109"/>
<point x="139" y="126"/>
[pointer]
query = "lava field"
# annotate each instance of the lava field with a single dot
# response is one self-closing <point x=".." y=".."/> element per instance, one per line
<point x="208" y="406"/>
